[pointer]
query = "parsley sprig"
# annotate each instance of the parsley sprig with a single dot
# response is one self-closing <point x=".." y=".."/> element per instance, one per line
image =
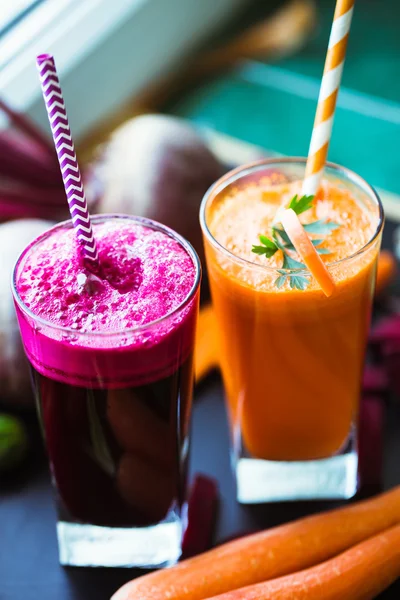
<point x="300" y="205"/>
<point x="281" y="241"/>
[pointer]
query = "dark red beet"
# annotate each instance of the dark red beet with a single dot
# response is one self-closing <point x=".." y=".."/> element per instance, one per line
<point x="390" y="347"/>
<point x="391" y="359"/>
<point x="375" y="380"/>
<point x="22" y="123"/>
<point x="202" y="509"/>
<point x="159" y="167"/>
<point x="31" y="183"/>
<point x="385" y="344"/>
<point x="386" y="330"/>
<point x="371" y="442"/>
<point x="26" y="161"/>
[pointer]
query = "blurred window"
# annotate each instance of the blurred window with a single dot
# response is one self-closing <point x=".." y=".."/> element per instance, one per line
<point x="107" y="51"/>
<point x="24" y="21"/>
<point x="12" y="11"/>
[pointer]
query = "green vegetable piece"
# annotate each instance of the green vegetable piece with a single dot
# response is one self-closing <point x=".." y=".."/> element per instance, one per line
<point x="281" y="241"/>
<point x="13" y="442"/>
<point x="300" y="205"/>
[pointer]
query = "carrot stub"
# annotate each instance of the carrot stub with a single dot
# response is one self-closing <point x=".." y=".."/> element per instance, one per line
<point x="306" y="250"/>
<point x="206" y="351"/>
<point x="386" y="271"/>
<point x="269" y="554"/>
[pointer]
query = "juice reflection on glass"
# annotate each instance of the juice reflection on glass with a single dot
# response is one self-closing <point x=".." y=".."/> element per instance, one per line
<point x="111" y="357"/>
<point x="291" y="358"/>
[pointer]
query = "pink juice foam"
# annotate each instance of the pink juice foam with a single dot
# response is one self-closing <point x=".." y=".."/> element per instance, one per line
<point x="99" y="329"/>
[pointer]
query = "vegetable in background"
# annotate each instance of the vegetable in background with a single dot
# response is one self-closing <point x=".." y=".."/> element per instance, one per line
<point x="13" y="442"/>
<point x="158" y="167"/>
<point x="15" y="383"/>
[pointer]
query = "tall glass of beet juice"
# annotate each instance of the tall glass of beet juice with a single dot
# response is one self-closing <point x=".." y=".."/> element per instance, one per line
<point x="111" y="355"/>
<point x="292" y="358"/>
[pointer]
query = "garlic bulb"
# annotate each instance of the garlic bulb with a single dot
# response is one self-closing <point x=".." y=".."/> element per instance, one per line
<point x="14" y="372"/>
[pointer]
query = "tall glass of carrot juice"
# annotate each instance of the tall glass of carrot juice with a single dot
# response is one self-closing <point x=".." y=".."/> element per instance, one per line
<point x="291" y="357"/>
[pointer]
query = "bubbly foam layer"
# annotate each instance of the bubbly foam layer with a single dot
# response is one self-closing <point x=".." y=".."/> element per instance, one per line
<point x="238" y="218"/>
<point x="144" y="275"/>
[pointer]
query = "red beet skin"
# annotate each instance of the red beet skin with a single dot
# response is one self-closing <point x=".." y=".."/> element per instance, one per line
<point x="388" y="330"/>
<point x="375" y="380"/>
<point x="371" y="442"/>
<point x="202" y="508"/>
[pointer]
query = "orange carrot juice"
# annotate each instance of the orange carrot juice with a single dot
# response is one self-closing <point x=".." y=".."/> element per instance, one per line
<point x="291" y="357"/>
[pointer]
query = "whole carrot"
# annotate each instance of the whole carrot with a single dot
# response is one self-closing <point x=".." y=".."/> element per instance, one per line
<point x="268" y="554"/>
<point x="360" y="573"/>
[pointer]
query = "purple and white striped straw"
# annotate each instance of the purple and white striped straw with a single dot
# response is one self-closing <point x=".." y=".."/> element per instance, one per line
<point x="66" y="155"/>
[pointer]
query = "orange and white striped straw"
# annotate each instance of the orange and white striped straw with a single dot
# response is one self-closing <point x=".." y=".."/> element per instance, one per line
<point x="328" y="93"/>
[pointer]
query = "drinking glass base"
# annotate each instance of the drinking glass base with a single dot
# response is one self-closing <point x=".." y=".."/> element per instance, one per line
<point x="273" y="481"/>
<point x="83" y="545"/>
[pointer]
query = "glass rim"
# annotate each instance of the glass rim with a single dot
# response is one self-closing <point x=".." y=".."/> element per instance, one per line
<point x="187" y="246"/>
<point x="238" y="172"/>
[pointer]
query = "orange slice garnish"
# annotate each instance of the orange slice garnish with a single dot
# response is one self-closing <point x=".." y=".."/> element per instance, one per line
<point x="305" y="249"/>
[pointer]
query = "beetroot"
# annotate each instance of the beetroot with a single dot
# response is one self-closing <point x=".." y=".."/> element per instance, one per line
<point x="375" y="380"/>
<point x="371" y="442"/>
<point x="158" y="167"/>
<point x="202" y="508"/>
<point x="30" y="180"/>
<point x="388" y="330"/>
<point x="385" y="342"/>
